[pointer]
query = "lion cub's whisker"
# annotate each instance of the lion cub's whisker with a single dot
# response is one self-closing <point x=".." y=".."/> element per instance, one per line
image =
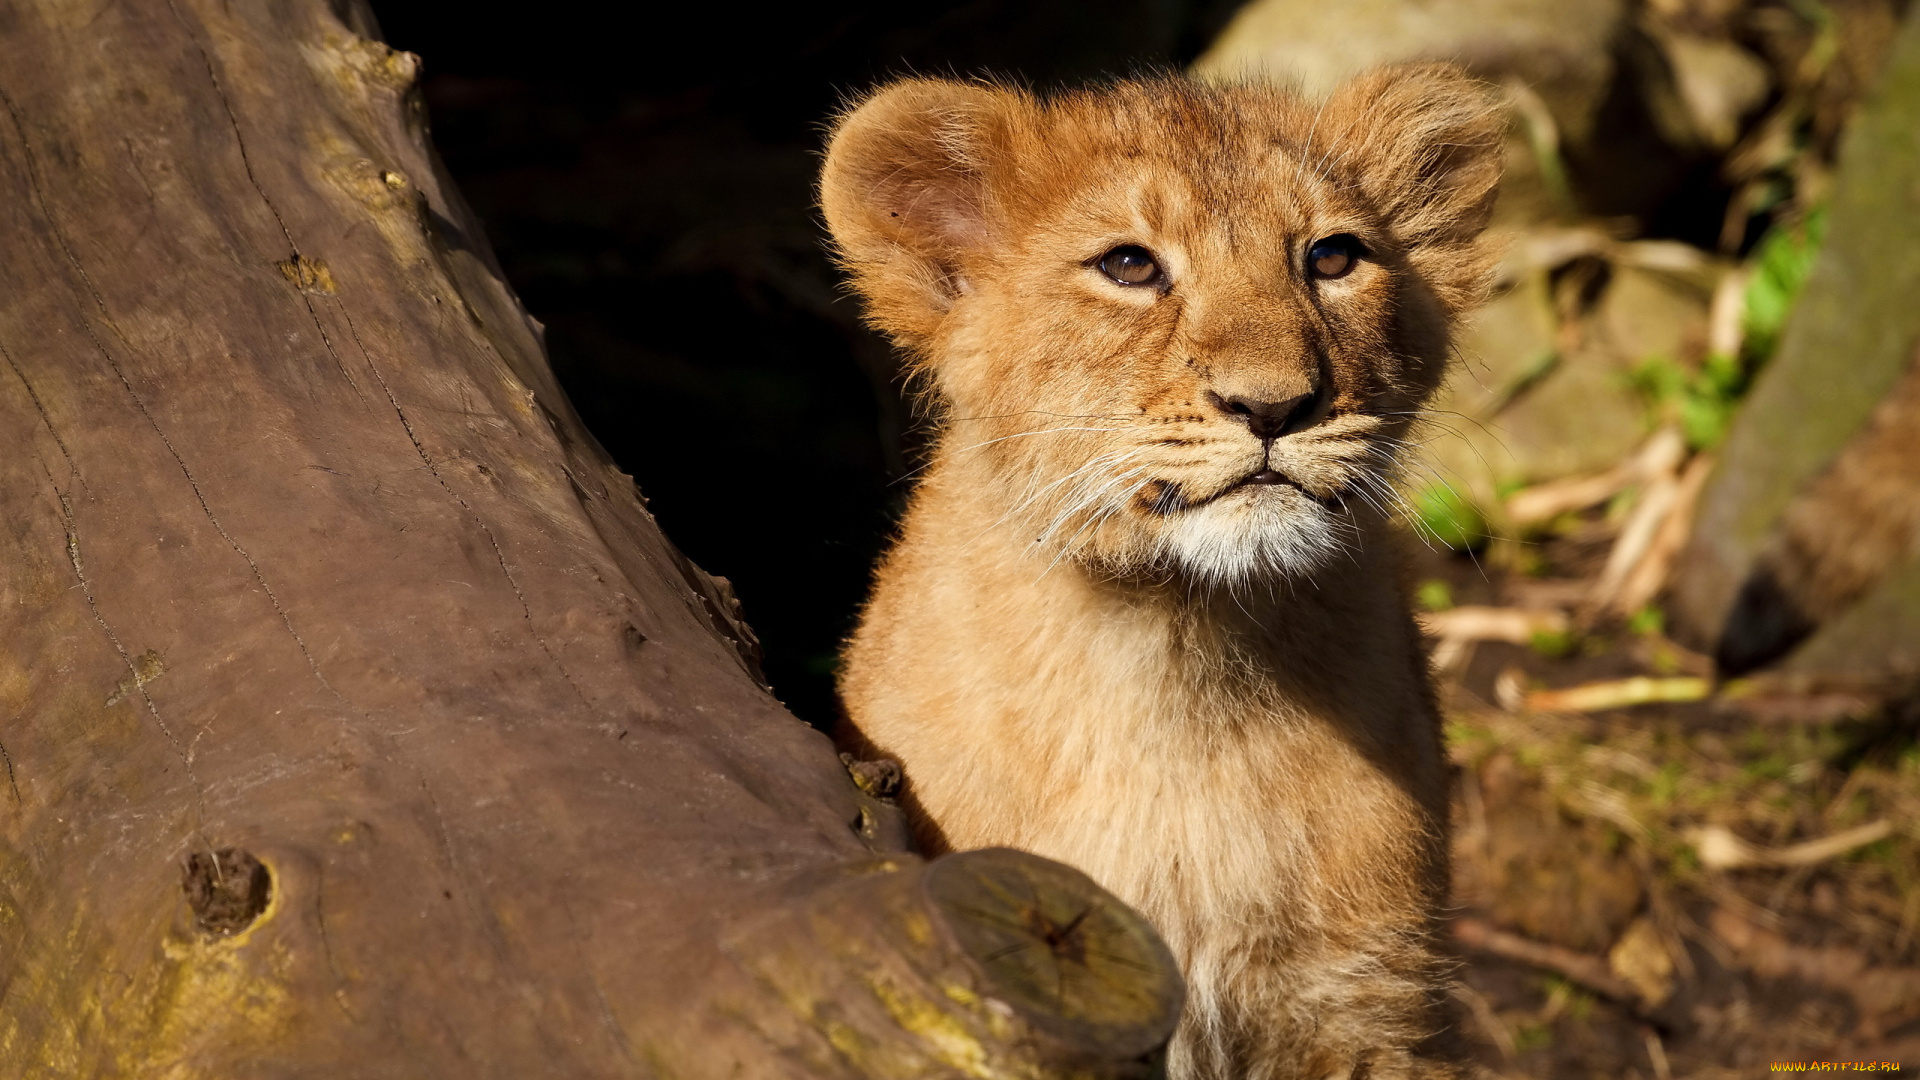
<point x="1024" y="434"/>
<point x="1112" y="459"/>
<point x="1036" y="412"/>
<point x="1106" y="512"/>
<point x="1085" y="500"/>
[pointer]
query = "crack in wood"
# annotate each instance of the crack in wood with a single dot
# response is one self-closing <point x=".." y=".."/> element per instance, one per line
<point x="73" y="467"/>
<point x="246" y="164"/>
<point x="472" y="895"/>
<point x="339" y="994"/>
<point x="133" y="671"/>
<point x="500" y="555"/>
<point x="234" y="121"/>
<point x="8" y="759"/>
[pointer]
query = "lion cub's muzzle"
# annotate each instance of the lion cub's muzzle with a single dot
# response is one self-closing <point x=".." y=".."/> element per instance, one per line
<point x="1166" y="497"/>
<point x="1269" y="416"/>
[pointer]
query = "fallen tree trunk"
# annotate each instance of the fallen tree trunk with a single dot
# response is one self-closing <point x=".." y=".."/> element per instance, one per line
<point x="358" y="721"/>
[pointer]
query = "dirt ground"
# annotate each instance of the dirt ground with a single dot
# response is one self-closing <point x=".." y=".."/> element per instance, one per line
<point x="1679" y="888"/>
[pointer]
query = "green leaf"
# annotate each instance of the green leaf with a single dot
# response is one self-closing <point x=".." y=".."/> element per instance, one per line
<point x="1443" y="515"/>
<point x="1781" y="262"/>
<point x="1648" y="620"/>
<point x="1434" y="595"/>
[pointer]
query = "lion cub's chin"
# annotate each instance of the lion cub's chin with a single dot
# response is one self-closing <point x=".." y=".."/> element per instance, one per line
<point x="1253" y="534"/>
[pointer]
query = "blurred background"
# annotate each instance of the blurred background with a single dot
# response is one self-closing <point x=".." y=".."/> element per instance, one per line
<point x="1669" y="504"/>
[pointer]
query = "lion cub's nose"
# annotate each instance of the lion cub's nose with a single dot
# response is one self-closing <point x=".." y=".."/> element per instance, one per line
<point x="1268" y="419"/>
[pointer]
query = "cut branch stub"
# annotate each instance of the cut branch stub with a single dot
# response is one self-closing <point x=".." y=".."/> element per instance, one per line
<point x="991" y="963"/>
<point x="1061" y="950"/>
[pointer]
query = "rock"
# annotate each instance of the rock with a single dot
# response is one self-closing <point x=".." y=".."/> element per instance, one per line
<point x="1520" y="410"/>
<point x="1602" y="124"/>
<point x="1719" y="83"/>
<point x="1558" y="47"/>
<point x="1505" y="344"/>
<point x="1583" y="417"/>
<point x="1648" y="313"/>
<point x="1640" y="958"/>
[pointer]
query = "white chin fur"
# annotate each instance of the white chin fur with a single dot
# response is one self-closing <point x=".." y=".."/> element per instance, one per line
<point x="1245" y="536"/>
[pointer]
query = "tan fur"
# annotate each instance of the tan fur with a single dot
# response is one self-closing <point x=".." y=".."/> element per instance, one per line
<point x="1088" y="642"/>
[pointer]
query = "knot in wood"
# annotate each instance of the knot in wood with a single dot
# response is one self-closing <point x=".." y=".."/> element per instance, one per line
<point x="227" y="889"/>
<point x="880" y="778"/>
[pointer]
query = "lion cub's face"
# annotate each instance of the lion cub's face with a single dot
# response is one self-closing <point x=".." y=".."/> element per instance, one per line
<point x="1184" y="328"/>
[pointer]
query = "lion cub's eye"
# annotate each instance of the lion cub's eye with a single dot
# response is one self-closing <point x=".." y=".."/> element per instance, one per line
<point x="1333" y="257"/>
<point x="1130" y="264"/>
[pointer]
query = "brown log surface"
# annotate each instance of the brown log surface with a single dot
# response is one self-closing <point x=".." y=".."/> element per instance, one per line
<point x="356" y="718"/>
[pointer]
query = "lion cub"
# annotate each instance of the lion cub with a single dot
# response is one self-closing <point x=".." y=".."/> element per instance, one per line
<point x="1145" y="614"/>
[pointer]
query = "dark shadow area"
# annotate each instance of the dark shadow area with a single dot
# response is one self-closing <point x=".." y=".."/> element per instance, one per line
<point x="645" y="173"/>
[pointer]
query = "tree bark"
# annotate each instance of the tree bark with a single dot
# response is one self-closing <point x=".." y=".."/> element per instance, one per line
<point x="356" y="718"/>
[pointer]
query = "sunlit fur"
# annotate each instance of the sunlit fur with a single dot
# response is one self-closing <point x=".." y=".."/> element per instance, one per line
<point x="1091" y="639"/>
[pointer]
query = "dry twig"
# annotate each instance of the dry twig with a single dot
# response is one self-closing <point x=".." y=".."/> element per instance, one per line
<point x="1720" y="849"/>
<point x="1620" y="693"/>
<point x="1590" y="972"/>
<point x="1458" y="627"/>
<point x="1661" y="454"/>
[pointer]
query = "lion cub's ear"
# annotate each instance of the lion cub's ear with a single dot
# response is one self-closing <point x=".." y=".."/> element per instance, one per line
<point x="905" y="193"/>
<point x="1425" y="141"/>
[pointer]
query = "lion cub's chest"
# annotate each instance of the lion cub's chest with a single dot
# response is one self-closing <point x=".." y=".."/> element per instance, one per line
<point x="1096" y="742"/>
